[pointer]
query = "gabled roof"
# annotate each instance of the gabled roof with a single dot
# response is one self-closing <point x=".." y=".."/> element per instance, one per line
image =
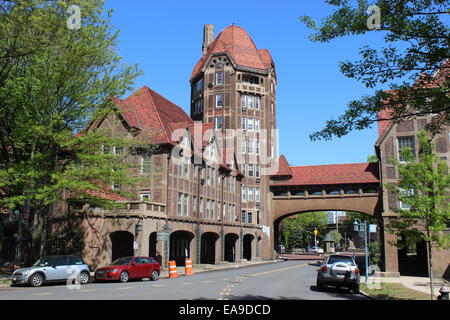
<point x="333" y="174"/>
<point x="239" y="45"/>
<point x="150" y="112"/>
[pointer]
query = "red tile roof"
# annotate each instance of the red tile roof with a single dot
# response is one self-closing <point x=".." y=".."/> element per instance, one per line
<point x="239" y="45"/>
<point x="153" y="114"/>
<point x="333" y="174"/>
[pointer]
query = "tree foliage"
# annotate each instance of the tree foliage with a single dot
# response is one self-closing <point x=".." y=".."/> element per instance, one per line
<point x="412" y="66"/>
<point x="54" y="81"/>
<point x="424" y="187"/>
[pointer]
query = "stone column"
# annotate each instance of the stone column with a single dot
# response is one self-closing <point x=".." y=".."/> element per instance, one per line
<point x="390" y="254"/>
<point x="198" y="242"/>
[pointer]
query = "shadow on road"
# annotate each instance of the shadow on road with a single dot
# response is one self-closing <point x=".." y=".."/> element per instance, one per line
<point x="338" y="292"/>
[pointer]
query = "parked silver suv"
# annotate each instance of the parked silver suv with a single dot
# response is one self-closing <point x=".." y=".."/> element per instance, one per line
<point x="52" y="269"/>
<point x="338" y="271"/>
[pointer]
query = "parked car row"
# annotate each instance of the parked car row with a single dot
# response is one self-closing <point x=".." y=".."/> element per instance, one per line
<point x="60" y="268"/>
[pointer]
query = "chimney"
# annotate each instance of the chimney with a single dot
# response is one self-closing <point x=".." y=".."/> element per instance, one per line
<point x="208" y="37"/>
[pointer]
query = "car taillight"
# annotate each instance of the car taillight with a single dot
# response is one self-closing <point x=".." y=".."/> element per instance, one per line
<point x="324" y="269"/>
<point x="356" y="270"/>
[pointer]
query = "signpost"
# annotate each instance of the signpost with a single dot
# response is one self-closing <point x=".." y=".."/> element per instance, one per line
<point x="315" y="237"/>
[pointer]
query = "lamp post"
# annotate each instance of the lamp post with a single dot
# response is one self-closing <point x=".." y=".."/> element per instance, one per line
<point x="361" y="227"/>
<point x="137" y="230"/>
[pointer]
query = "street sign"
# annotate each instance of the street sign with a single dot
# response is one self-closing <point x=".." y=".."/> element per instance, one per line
<point x="162" y="236"/>
<point x="315" y="232"/>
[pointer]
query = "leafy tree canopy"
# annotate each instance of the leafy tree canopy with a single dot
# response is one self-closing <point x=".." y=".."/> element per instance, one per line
<point x="412" y="66"/>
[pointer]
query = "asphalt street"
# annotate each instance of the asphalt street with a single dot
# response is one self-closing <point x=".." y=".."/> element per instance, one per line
<point x="290" y="280"/>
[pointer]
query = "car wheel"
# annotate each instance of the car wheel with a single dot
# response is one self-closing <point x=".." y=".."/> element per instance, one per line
<point x="320" y="286"/>
<point x="124" y="276"/>
<point x="155" y="275"/>
<point x="84" y="277"/>
<point x="37" y="280"/>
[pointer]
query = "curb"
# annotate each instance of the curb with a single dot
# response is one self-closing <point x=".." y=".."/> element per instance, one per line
<point x="367" y="295"/>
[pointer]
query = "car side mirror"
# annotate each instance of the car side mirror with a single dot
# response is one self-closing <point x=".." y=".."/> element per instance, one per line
<point x="54" y="265"/>
<point x="133" y="263"/>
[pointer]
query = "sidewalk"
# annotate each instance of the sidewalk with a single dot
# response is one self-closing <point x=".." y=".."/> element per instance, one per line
<point x="421" y="284"/>
<point x="197" y="268"/>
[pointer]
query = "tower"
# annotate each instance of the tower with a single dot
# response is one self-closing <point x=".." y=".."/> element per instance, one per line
<point x="233" y="85"/>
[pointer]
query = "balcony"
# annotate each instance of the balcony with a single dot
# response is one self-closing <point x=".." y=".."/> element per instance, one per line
<point x="130" y="209"/>
<point x="250" y="88"/>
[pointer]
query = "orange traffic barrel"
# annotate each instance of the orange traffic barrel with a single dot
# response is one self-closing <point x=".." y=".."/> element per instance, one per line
<point x="188" y="267"/>
<point x="173" y="269"/>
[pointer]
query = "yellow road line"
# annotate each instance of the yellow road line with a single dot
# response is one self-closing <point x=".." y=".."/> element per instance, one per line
<point x="126" y="288"/>
<point x="207" y="281"/>
<point x="187" y="283"/>
<point x="277" y="270"/>
<point x="159" y="285"/>
<point x="40" y="293"/>
<point x="87" y="290"/>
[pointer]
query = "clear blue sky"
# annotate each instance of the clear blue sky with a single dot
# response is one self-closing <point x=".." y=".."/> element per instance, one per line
<point x="164" y="38"/>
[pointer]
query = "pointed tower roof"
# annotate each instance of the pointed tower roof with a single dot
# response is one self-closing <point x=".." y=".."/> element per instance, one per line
<point x="283" y="167"/>
<point x="235" y="41"/>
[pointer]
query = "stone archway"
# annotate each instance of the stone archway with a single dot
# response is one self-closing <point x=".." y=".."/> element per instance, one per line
<point x="121" y="244"/>
<point x="247" y="246"/>
<point x="230" y="247"/>
<point x="180" y="244"/>
<point x="208" y="248"/>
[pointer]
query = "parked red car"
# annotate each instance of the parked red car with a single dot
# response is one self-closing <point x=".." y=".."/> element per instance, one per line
<point x="126" y="268"/>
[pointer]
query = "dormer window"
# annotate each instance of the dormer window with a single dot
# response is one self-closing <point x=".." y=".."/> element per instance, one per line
<point x="219" y="78"/>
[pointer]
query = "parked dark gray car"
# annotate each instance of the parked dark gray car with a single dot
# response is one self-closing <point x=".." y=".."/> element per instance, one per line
<point x="338" y="271"/>
<point x="52" y="269"/>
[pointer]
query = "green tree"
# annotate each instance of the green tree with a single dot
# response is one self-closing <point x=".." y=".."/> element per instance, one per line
<point x="416" y="39"/>
<point x="54" y="81"/>
<point x="372" y="158"/>
<point x="306" y="223"/>
<point x="424" y="188"/>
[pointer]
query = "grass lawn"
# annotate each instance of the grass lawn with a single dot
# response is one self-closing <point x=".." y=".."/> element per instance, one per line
<point x="394" y="291"/>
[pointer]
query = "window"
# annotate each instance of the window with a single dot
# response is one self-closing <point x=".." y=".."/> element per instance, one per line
<point x="404" y="205"/>
<point x="186" y="170"/>
<point x="257" y="102"/>
<point x="250" y="102"/>
<point x="198" y="86"/>
<point x="198" y="106"/>
<point x="145" y="196"/>
<point x="219" y="78"/>
<point x="251" y="170"/>
<point x="250" y="147"/>
<point x="105" y="149"/>
<point x="244" y="102"/>
<point x="257" y="169"/>
<point x="250" y="124"/>
<point x="257" y="125"/>
<point x="244" y="194"/>
<point x="249" y="217"/>
<point x="244" y="216"/>
<point x="219" y="100"/>
<point x="194" y="204"/>
<point x="186" y="205"/>
<point x="244" y="146"/>
<point x="201" y="205"/>
<point x="257" y="194"/>
<point x="208" y="207"/>
<point x="219" y="123"/>
<point x="244" y="169"/>
<point x="244" y="123"/>
<point x="406" y="142"/>
<point x="180" y="204"/>
<point x="213" y="204"/>
<point x="118" y="150"/>
<point x="250" y="194"/>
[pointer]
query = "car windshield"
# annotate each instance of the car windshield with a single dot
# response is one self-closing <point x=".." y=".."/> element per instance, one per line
<point x="344" y="259"/>
<point x="42" y="262"/>
<point x="122" y="261"/>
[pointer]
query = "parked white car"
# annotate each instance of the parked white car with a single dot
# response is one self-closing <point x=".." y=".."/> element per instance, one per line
<point x="315" y="249"/>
